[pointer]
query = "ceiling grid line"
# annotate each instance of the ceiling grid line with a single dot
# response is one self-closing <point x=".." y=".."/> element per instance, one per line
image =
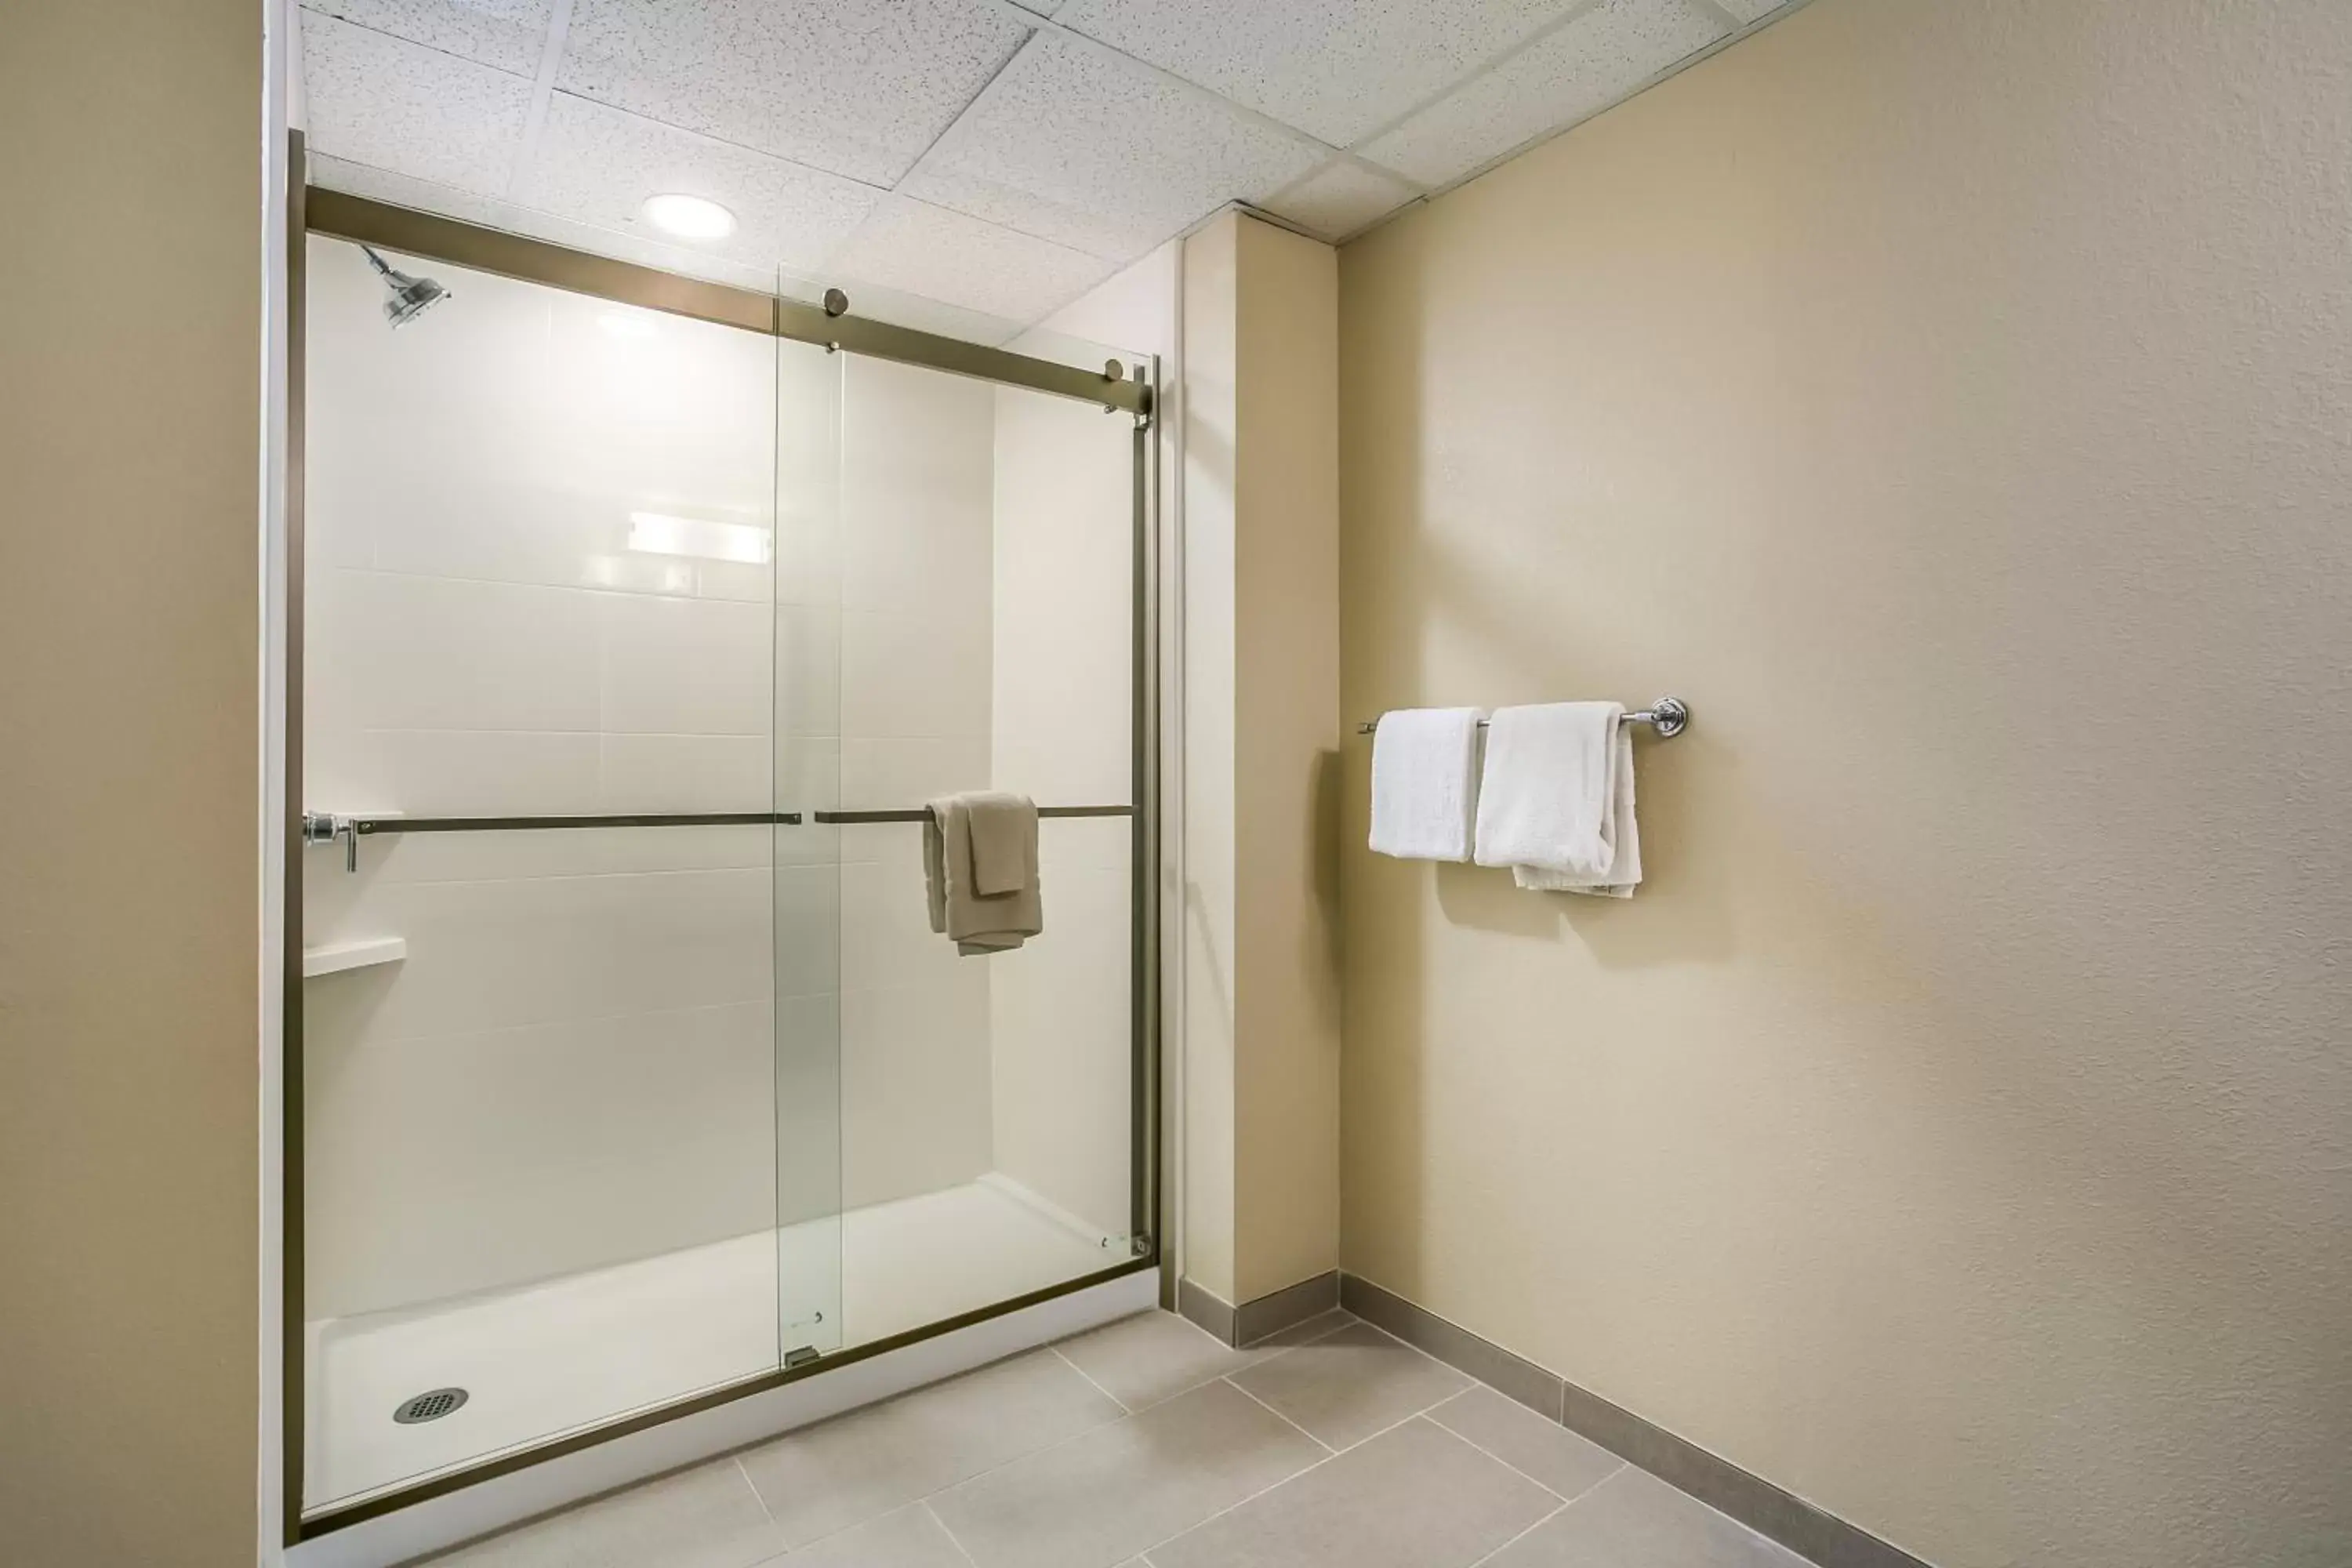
<point x="542" y="89"/>
<point x="1776" y="11"/>
<point x="977" y="156"/>
<point x="1112" y="51"/>
<point x="981" y="91"/>
<point x="1485" y="68"/>
<point x="1722" y="13"/>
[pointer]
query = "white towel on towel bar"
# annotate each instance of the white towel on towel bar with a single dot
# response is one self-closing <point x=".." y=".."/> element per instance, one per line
<point x="1424" y="782"/>
<point x="1624" y="871"/>
<point x="1556" y="801"/>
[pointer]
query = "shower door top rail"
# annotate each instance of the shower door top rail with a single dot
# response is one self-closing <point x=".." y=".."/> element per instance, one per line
<point x="829" y="325"/>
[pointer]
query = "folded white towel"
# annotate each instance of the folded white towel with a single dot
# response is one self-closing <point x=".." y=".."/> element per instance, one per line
<point x="1424" y="773"/>
<point x="1547" y="800"/>
<point x="1624" y="871"/>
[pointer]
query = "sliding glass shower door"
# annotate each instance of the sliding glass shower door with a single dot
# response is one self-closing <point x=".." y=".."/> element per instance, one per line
<point x="631" y="1069"/>
<point x="986" y="578"/>
<point x="570" y="1058"/>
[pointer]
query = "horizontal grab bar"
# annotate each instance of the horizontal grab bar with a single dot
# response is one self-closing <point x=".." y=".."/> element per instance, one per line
<point x="373" y="824"/>
<point x="323" y="828"/>
<point x="923" y="813"/>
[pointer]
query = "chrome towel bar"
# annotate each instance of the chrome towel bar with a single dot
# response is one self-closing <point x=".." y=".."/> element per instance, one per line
<point x="1670" y="716"/>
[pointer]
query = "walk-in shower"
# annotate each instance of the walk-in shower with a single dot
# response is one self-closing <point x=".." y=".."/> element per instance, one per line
<point x="627" y="1073"/>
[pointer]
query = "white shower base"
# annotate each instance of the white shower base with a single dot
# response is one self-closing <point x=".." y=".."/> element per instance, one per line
<point x="572" y="1352"/>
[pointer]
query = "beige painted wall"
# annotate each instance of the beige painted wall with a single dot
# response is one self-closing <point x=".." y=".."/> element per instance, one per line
<point x="1953" y="402"/>
<point x="1287" y="740"/>
<point x="129" y="334"/>
<point x="1206" y="875"/>
<point x="1262" y="730"/>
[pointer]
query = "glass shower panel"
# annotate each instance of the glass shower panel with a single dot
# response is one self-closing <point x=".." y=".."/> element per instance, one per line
<point x="807" y="889"/>
<point x="546" y="1064"/>
<point x="986" y="572"/>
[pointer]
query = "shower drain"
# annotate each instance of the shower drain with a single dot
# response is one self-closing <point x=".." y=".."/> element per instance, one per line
<point x="430" y="1405"/>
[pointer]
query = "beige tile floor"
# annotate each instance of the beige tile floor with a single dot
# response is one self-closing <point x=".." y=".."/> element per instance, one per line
<point x="1147" y="1443"/>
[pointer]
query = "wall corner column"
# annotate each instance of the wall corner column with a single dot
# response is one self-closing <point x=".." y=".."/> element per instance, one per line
<point x="1263" y="733"/>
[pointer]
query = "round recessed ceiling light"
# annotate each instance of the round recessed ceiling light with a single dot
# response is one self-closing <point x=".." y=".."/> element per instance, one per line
<point x="689" y="218"/>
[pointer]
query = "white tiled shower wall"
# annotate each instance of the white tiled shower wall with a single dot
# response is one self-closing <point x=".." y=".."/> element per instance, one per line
<point x="1064" y="593"/>
<point x="580" y="1059"/>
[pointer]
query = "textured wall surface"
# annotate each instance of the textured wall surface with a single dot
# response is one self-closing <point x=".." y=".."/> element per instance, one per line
<point x="1952" y="402"/>
<point x="130" y="883"/>
<point x="1287" y="738"/>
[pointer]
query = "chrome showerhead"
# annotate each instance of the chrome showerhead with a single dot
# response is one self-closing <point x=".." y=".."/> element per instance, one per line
<point x="410" y="296"/>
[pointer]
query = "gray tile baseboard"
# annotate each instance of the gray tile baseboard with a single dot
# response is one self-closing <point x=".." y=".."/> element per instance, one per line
<point x="1206" y="1308"/>
<point x="1457" y="1347"/>
<point x="1770" y="1512"/>
<point x="1286" y="1309"/>
<point x="1254" y="1320"/>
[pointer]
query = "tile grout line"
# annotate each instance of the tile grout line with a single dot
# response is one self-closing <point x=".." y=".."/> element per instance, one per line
<point x="766" y="1512"/>
<point x="1245" y="1394"/>
<point x="1498" y="1458"/>
<point x="1419" y="1415"/>
<point x="1564" y="1498"/>
<point x="1278" y="1351"/>
<point x="1243" y="1502"/>
<point x="953" y="1539"/>
<point x="1002" y="1464"/>
<point x="1522" y="1535"/>
<point x="1124" y="1408"/>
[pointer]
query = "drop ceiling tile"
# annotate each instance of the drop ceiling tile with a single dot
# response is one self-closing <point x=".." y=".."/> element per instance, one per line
<point x="918" y="248"/>
<point x="1339" y="198"/>
<point x="857" y="89"/>
<point x="1749" y="10"/>
<point x="508" y="34"/>
<point x="391" y="104"/>
<point x="1582" y="68"/>
<point x="1077" y="145"/>
<point x="1338" y="68"/>
<point x="402" y="191"/>
<point x="598" y="165"/>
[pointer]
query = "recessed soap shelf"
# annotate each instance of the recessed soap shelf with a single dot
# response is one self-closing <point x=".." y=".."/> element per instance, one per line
<point x="334" y="957"/>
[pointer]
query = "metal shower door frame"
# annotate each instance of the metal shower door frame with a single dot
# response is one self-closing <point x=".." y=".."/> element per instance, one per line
<point x="313" y="210"/>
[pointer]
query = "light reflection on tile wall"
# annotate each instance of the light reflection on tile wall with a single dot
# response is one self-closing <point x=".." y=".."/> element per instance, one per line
<point x="575" y="1064"/>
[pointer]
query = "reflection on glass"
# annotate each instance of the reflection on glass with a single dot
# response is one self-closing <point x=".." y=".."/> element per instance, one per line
<point x="654" y="533"/>
<point x="648" y="1112"/>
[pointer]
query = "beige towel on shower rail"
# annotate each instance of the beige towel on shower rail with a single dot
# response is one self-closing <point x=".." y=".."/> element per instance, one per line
<point x="979" y="867"/>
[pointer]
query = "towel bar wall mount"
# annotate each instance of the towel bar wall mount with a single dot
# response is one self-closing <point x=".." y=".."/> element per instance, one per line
<point x="1669" y="716"/>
